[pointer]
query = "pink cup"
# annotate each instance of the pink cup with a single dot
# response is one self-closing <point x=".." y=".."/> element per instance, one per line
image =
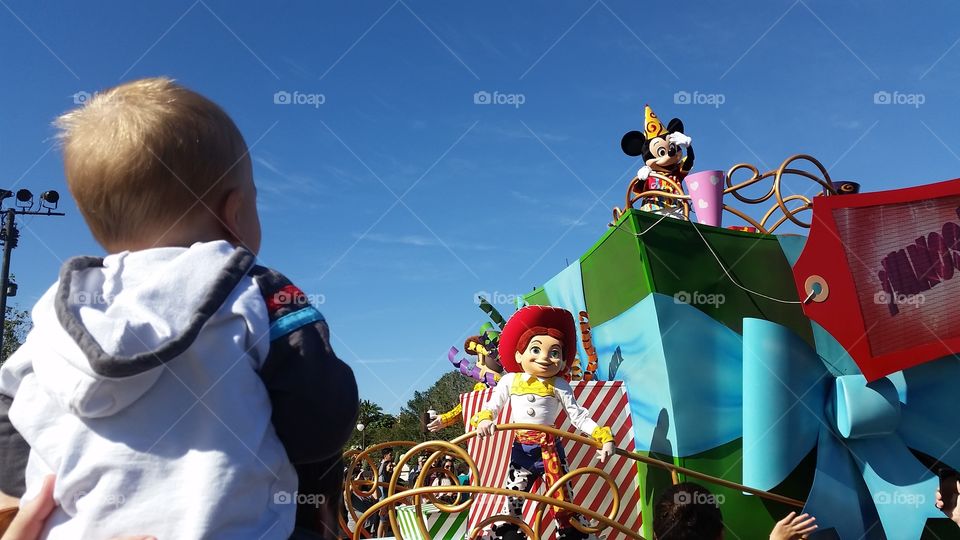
<point x="706" y="192"/>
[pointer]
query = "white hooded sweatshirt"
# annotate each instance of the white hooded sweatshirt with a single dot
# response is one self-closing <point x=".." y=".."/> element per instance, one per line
<point x="138" y="388"/>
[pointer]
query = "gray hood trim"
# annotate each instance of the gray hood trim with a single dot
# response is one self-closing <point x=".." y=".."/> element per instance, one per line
<point x="105" y="365"/>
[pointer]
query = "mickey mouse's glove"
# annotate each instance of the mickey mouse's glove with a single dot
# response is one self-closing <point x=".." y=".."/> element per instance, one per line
<point x="679" y="139"/>
<point x="644" y="173"/>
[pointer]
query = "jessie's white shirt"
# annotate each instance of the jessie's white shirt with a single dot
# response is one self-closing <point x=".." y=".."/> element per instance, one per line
<point x="534" y="400"/>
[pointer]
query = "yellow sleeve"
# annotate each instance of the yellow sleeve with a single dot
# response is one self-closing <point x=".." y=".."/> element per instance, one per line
<point x="482" y="414"/>
<point x="602" y="434"/>
<point x="450" y="417"/>
<point x="500" y="396"/>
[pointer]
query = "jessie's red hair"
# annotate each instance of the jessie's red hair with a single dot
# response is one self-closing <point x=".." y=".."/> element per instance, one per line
<point x="531" y="321"/>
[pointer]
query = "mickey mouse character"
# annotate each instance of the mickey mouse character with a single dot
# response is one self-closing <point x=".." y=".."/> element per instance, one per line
<point x="662" y="151"/>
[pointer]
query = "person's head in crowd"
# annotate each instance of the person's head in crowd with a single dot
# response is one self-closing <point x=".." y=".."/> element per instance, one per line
<point x="687" y="511"/>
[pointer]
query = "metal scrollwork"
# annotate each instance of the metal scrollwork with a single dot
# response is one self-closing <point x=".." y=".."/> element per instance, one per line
<point x="397" y="494"/>
<point x="785" y="208"/>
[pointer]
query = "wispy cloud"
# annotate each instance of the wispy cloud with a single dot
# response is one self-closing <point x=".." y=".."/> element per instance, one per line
<point x="267" y="165"/>
<point x="369" y="361"/>
<point x="406" y="239"/>
<point x="566" y="221"/>
<point x="298" y="68"/>
<point x="344" y="176"/>
<point x="846" y="124"/>
<point x="416" y="240"/>
<point x="276" y="185"/>
<point x="292" y="180"/>
<point x="519" y="133"/>
<point x="523" y="197"/>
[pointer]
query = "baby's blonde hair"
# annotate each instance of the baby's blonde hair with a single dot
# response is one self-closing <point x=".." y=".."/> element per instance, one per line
<point x="142" y="156"/>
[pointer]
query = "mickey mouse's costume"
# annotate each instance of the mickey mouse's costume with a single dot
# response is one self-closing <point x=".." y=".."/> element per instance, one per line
<point x="537" y="347"/>
<point x="663" y="152"/>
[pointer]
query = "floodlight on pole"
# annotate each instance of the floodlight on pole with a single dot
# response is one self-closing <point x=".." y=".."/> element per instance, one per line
<point x="49" y="199"/>
<point x="24" y="205"/>
<point x="24" y="198"/>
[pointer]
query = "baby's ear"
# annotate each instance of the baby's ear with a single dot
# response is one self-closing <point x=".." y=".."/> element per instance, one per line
<point x="231" y="211"/>
<point x="632" y="143"/>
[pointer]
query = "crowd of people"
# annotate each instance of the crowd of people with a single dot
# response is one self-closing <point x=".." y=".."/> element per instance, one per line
<point x="448" y="472"/>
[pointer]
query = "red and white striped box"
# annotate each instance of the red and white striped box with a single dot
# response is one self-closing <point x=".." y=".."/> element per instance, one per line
<point x="608" y="406"/>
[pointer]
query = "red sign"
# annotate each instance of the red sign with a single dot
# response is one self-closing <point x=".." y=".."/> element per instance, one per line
<point x="882" y="271"/>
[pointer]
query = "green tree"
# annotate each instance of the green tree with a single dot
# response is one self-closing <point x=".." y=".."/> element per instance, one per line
<point x="407" y="425"/>
<point x="370" y="413"/>
<point x="374" y="420"/>
<point x="442" y="396"/>
<point x="15" y="327"/>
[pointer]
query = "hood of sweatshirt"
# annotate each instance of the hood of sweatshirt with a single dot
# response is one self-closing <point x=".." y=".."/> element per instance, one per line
<point x="113" y="323"/>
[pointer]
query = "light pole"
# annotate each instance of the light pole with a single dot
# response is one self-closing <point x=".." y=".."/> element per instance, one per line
<point x="363" y="443"/>
<point x="24" y="205"/>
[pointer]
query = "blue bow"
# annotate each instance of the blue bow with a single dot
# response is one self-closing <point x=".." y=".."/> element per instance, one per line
<point x="863" y="433"/>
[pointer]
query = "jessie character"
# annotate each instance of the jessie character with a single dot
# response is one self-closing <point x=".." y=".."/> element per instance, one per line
<point x="537" y="347"/>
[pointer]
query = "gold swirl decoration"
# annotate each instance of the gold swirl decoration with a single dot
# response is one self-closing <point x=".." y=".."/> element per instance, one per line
<point x="635" y="193"/>
<point x="785" y="208"/>
<point x="397" y="494"/>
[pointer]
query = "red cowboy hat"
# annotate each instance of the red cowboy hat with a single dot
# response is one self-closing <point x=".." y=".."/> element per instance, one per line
<point x="532" y="317"/>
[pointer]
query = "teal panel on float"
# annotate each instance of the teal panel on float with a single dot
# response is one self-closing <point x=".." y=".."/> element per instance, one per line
<point x="682" y="370"/>
<point x="565" y="290"/>
<point x="792" y="246"/>
<point x="784" y="389"/>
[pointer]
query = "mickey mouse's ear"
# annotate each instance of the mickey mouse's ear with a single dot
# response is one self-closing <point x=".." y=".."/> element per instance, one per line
<point x="675" y="126"/>
<point x="632" y="143"/>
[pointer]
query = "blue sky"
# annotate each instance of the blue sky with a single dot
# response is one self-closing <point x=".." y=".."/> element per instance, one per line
<point x="397" y="199"/>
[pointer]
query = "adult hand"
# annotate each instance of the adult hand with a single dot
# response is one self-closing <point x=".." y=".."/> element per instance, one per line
<point x="948" y="504"/>
<point x="485" y="428"/>
<point x="794" y="527"/>
<point x="32" y="517"/>
<point x="605" y="451"/>
<point x="435" y="425"/>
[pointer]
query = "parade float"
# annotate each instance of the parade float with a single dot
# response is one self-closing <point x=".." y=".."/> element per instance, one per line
<point x="781" y="371"/>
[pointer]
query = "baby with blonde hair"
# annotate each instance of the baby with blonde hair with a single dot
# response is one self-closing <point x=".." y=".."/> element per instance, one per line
<point x="173" y="387"/>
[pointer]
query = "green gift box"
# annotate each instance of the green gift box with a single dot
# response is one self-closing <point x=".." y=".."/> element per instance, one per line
<point x="440" y="525"/>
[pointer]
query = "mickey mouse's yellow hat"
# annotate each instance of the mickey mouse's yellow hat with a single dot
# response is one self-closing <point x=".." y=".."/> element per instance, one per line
<point x="652" y="126"/>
